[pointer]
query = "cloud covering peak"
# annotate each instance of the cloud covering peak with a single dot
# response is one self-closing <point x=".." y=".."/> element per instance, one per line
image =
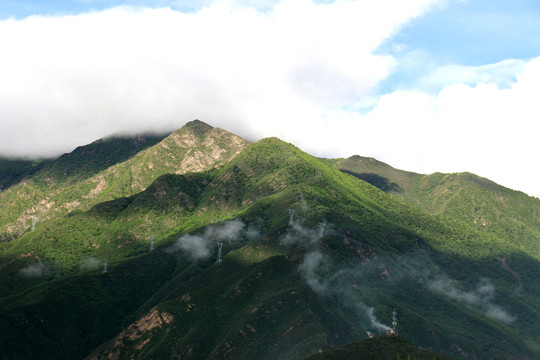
<point x="132" y="69"/>
<point x="303" y="71"/>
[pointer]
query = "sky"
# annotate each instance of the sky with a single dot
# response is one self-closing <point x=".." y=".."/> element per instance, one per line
<point x="423" y="85"/>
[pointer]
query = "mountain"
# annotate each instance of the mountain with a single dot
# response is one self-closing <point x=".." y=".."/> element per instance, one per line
<point x="203" y="246"/>
<point x="13" y="170"/>
<point x="474" y="201"/>
<point x="109" y="169"/>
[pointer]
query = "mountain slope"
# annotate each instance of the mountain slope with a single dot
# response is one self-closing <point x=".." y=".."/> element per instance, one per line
<point x="13" y="170"/>
<point x="195" y="147"/>
<point x="470" y="199"/>
<point x="191" y="307"/>
<point x="311" y="258"/>
<point x="26" y="185"/>
<point x="66" y="318"/>
<point x="379" y="174"/>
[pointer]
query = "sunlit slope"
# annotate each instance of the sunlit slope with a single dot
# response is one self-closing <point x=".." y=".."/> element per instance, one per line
<point x="369" y="256"/>
<point x="313" y="258"/>
<point x="81" y="163"/>
<point x="177" y="203"/>
<point x="27" y="184"/>
<point x="264" y="172"/>
<point x="472" y="200"/>
<point x="61" y="187"/>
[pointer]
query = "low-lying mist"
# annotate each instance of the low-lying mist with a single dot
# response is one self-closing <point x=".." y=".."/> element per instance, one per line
<point x="355" y="283"/>
<point x="202" y="246"/>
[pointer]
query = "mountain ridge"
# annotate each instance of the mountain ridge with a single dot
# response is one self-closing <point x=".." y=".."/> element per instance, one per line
<point x="311" y="258"/>
<point x="196" y="143"/>
<point x="477" y="202"/>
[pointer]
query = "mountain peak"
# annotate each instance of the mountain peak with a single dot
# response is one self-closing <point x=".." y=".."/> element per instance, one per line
<point x="198" y="127"/>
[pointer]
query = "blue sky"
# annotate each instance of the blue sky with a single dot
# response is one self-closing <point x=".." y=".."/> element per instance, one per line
<point x="424" y="85"/>
<point x="472" y="32"/>
<point x="478" y="32"/>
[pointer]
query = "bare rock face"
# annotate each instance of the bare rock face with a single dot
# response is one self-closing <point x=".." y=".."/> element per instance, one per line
<point x="138" y="332"/>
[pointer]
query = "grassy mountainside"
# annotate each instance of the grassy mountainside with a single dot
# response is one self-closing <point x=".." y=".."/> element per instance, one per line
<point x="379" y="174"/>
<point x="65" y="318"/>
<point x="312" y="258"/>
<point x="320" y="288"/>
<point x="61" y="188"/>
<point x="470" y="199"/>
<point x="81" y="163"/>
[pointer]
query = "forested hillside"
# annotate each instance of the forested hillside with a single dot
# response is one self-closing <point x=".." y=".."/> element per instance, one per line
<point x="200" y="245"/>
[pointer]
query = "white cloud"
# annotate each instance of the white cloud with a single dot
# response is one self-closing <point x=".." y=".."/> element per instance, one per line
<point x="34" y="271"/>
<point x="297" y="70"/>
<point x="200" y="246"/>
<point x="310" y="268"/>
<point x="484" y="129"/>
<point x="127" y="69"/>
<point x="91" y="264"/>
<point x="375" y="323"/>
<point x="196" y="247"/>
<point x="480" y="298"/>
<point x="502" y="73"/>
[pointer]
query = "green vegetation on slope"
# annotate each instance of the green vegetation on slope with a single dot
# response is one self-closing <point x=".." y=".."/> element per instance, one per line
<point x="463" y="197"/>
<point x="67" y="318"/>
<point x="290" y="284"/>
<point x="196" y="147"/>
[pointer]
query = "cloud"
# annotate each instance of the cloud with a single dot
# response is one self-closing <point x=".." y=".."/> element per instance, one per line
<point x="328" y="278"/>
<point x="201" y="246"/>
<point x="498" y="313"/>
<point x="312" y="266"/>
<point x="316" y="265"/>
<point x="299" y="234"/>
<point x="480" y="128"/>
<point x="196" y="247"/>
<point x="70" y="79"/>
<point x="34" y="271"/>
<point x="375" y="323"/>
<point x="479" y="298"/>
<point x="353" y="283"/>
<point x="91" y="264"/>
<point x="229" y="231"/>
<point x="305" y="72"/>
<point x="503" y="74"/>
